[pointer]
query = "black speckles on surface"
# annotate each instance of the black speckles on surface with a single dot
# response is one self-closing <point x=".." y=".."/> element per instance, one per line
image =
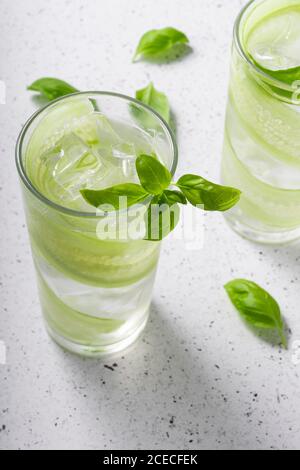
<point x="172" y="421"/>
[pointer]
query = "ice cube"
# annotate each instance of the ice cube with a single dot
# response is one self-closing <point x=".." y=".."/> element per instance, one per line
<point x="92" y="155"/>
<point x="124" y="150"/>
<point x="76" y="164"/>
<point x="72" y="165"/>
<point x="107" y="134"/>
<point x="275" y="43"/>
<point x="96" y="130"/>
<point x="86" y="128"/>
<point x="124" y="156"/>
<point x="50" y="158"/>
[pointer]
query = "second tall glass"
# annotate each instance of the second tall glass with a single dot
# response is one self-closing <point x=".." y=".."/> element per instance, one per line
<point x="262" y="135"/>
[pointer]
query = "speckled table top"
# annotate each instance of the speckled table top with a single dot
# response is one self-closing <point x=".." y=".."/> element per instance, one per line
<point x="198" y="378"/>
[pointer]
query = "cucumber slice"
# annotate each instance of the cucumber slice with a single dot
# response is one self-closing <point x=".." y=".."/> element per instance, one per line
<point x="267" y="118"/>
<point x="72" y="247"/>
<point x="72" y="324"/>
<point x="259" y="201"/>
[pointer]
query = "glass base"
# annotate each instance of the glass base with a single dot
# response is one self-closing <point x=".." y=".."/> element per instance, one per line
<point x="93" y="350"/>
<point x="262" y="236"/>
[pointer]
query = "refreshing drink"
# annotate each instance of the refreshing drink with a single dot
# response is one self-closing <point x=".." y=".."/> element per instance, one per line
<point x="95" y="292"/>
<point x="262" y="135"/>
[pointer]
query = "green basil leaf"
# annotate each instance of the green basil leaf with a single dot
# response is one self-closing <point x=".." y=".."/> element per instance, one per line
<point x="154" y="176"/>
<point x="171" y="196"/>
<point x="52" y="88"/>
<point x="156" y="100"/>
<point x="288" y="76"/>
<point x="256" y="306"/>
<point x="161" y="219"/>
<point x="111" y="196"/>
<point x="158" y="42"/>
<point x="213" y="197"/>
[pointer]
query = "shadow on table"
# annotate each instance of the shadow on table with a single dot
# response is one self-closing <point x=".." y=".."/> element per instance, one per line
<point x="162" y="383"/>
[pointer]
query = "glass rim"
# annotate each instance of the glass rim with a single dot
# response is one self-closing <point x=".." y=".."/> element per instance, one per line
<point x="19" y="147"/>
<point x="243" y="53"/>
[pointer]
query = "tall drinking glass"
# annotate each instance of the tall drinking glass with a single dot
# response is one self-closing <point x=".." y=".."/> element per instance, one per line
<point x="94" y="291"/>
<point x="262" y="134"/>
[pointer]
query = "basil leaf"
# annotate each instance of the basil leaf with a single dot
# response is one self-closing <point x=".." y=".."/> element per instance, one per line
<point x="157" y="42"/>
<point x="213" y="197"/>
<point x="171" y="196"/>
<point x="161" y="219"/>
<point x="288" y="76"/>
<point x="256" y="306"/>
<point x="111" y="196"/>
<point x="156" y="100"/>
<point x="52" y="88"/>
<point x="154" y="176"/>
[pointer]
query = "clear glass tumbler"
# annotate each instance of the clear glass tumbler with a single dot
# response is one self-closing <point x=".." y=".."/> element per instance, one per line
<point x="262" y="134"/>
<point x="94" y="293"/>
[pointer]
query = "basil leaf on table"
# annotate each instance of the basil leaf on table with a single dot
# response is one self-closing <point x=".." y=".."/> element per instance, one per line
<point x="52" y="88"/>
<point x="256" y="306"/>
<point x="158" y="42"/>
<point x="156" y="100"/>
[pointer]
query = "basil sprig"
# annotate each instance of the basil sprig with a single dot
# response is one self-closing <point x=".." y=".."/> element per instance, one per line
<point x="256" y="306"/>
<point x="155" y="181"/>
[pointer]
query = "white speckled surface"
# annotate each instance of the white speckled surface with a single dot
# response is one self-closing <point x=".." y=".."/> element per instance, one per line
<point x="198" y="378"/>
